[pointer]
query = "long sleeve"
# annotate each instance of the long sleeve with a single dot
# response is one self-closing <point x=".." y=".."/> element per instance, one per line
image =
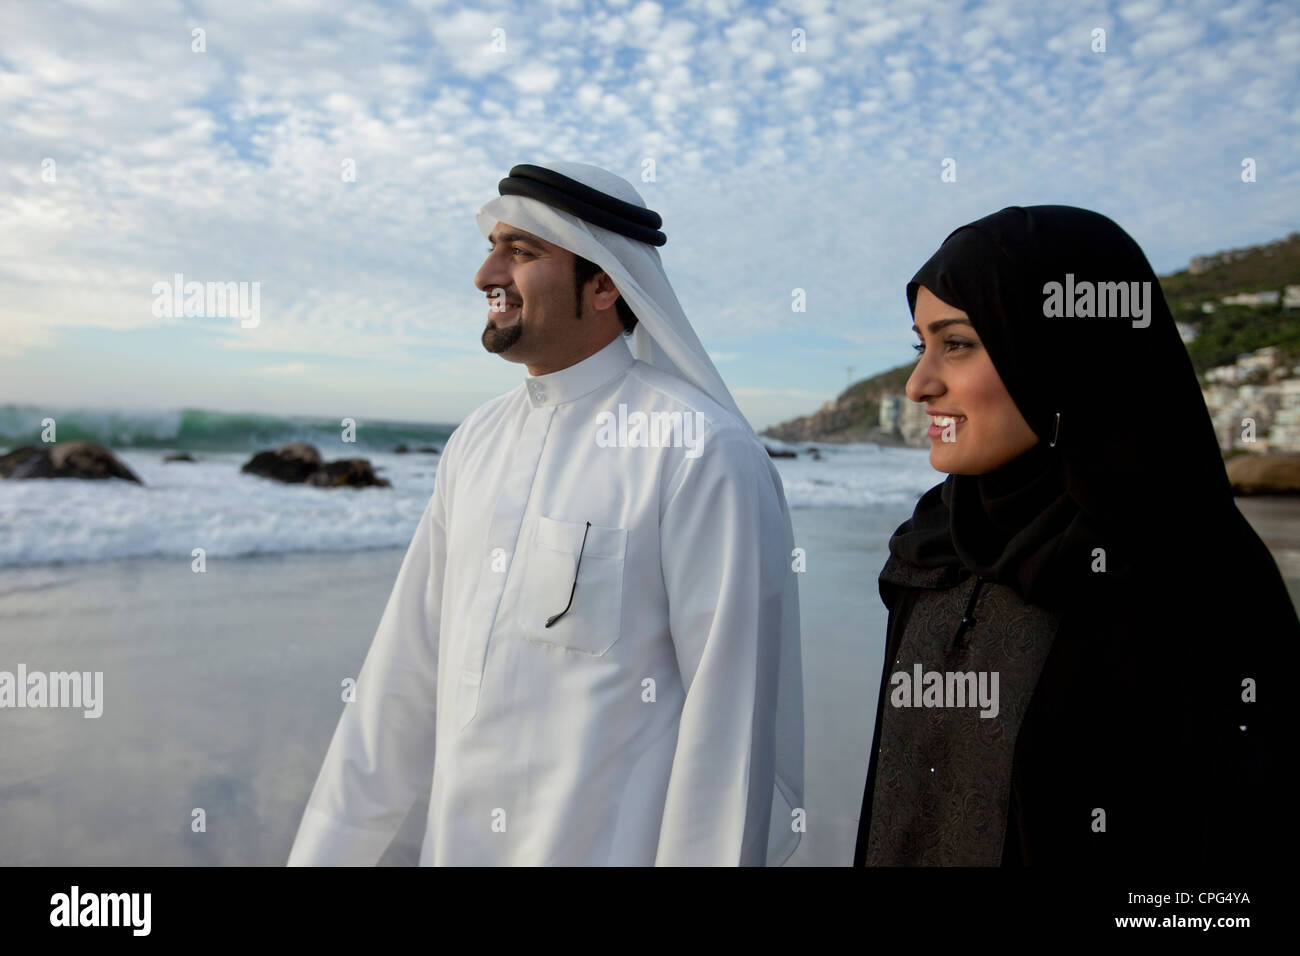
<point x="382" y="750"/>
<point x="725" y="546"/>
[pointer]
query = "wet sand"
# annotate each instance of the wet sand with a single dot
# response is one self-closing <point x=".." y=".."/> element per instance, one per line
<point x="1277" y="521"/>
<point x="221" y="693"/>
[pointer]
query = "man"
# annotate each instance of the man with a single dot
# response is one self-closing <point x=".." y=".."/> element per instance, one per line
<point x="592" y="645"/>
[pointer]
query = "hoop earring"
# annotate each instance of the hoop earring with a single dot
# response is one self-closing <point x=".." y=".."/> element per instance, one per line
<point x="1057" y="432"/>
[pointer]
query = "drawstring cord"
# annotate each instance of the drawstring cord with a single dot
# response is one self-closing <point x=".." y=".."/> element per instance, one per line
<point x="967" y="621"/>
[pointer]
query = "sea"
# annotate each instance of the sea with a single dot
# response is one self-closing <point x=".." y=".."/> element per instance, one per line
<point x="210" y="504"/>
<point x="221" y="690"/>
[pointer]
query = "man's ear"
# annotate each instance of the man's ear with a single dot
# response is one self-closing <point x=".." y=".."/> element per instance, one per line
<point x="606" y="292"/>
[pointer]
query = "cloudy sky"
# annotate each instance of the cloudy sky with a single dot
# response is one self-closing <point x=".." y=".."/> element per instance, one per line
<point x="127" y="156"/>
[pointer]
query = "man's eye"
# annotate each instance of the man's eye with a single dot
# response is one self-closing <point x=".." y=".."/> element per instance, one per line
<point x="524" y="251"/>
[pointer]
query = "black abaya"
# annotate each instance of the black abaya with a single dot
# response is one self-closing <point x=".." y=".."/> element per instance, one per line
<point x="1151" y="732"/>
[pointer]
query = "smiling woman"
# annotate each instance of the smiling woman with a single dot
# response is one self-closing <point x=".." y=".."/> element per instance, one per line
<point x="1130" y="722"/>
<point x="976" y="426"/>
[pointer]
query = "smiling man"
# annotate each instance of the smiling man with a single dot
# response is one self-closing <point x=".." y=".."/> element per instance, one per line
<point x="592" y="648"/>
<point x="555" y="293"/>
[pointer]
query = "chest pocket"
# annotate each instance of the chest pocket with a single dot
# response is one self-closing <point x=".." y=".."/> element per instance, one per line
<point x="592" y="624"/>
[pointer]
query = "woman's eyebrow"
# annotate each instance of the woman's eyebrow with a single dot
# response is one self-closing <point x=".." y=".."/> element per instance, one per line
<point x="938" y="324"/>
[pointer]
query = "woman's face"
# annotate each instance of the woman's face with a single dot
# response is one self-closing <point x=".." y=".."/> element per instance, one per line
<point x="975" y="427"/>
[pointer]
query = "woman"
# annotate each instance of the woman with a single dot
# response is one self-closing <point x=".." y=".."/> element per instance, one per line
<point x="1084" y="632"/>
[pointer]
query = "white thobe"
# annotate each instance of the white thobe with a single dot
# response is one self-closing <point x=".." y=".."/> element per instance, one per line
<point x="638" y="729"/>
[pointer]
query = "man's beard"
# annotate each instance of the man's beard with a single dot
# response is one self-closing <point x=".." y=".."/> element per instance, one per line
<point x="498" y="339"/>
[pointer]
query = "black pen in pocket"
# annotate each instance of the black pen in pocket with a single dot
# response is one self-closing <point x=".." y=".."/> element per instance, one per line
<point x="555" y="617"/>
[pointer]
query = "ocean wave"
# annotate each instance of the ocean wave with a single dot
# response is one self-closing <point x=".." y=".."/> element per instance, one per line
<point x="195" y="429"/>
<point x="211" y="505"/>
<point x="208" y="504"/>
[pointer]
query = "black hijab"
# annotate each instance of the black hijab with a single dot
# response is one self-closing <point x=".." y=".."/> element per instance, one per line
<point x="1158" y="699"/>
<point x="1127" y="459"/>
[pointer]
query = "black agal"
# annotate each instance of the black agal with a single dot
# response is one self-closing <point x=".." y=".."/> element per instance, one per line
<point x="591" y="205"/>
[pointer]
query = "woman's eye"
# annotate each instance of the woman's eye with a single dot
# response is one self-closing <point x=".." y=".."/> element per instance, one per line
<point x="952" y="345"/>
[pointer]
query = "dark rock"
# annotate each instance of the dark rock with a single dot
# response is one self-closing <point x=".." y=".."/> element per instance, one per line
<point x="347" y="472"/>
<point x="400" y="450"/>
<point x="301" y="450"/>
<point x="20" y="462"/>
<point x="66" y="459"/>
<point x="183" y="456"/>
<point x="815" y="454"/>
<point x="301" y="463"/>
<point x="774" y="453"/>
<point x="429" y="450"/>
<point x="1256" y="474"/>
<point x="290" y="463"/>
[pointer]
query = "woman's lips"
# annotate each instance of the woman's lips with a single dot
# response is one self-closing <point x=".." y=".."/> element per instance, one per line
<point x="939" y="424"/>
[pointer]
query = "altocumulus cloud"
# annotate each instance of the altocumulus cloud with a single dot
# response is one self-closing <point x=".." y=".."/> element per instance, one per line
<point x="774" y="169"/>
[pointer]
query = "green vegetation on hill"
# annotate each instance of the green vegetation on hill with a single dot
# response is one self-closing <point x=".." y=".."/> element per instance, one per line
<point x="1233" y="330"/>
<point x="884" y="383"/>
<point x="1256" y="269"/>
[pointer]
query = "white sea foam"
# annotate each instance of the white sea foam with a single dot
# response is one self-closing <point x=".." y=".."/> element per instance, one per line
<point x="211" y="505"/>
<point x="854" y="476"/>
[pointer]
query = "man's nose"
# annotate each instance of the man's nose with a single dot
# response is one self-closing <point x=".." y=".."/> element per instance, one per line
<point x="491" y="273"/>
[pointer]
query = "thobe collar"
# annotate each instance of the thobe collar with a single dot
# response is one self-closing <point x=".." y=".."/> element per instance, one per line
<point x="581" y="378"/>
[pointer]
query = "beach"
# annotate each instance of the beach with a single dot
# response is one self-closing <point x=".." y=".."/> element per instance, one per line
<point x="221" y="689"/>
<point x="1277" y="521"/>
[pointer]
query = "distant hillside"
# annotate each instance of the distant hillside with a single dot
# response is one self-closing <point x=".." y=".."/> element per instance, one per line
<point x="1232" y="330"/>
<point x="1253" y="269"/>
<point x="853" y="416"/>
<point x="1221" y="335"/>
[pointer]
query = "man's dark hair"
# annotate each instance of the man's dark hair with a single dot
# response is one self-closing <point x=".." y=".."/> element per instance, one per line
<point x="583" y="271"/>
